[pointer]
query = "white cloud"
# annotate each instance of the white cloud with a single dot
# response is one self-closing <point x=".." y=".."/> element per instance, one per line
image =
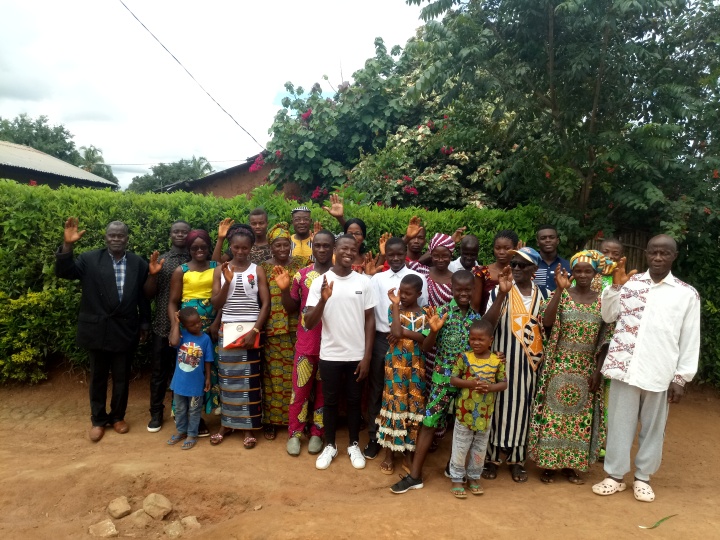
<point x="91" y="66"/>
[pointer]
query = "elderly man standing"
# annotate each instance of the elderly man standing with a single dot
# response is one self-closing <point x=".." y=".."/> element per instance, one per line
<point x="653" y="353"/>
<point x="113" y="313"/>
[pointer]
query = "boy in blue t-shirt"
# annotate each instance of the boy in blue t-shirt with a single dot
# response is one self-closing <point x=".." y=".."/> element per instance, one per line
<point x="192" y="375"/>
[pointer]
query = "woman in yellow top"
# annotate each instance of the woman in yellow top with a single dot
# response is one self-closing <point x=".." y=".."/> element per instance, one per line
<point x="280" y="330"/>
<point x="191" y="285"/>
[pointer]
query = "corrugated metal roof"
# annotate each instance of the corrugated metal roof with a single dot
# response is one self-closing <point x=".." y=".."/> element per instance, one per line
<point x="25" y="157"/>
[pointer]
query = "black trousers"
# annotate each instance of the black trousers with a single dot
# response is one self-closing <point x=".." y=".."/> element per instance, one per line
<point x="163" y="366"/>
<point x="102" y="364"/>
<point x="376" y="381"/>
<point x="337" y="378"/>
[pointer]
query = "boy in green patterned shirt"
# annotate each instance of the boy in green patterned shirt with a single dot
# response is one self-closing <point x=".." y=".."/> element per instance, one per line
<point x="478" y="374"/>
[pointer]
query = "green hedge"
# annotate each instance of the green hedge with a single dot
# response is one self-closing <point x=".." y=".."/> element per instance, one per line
<point x="40" y="319"/>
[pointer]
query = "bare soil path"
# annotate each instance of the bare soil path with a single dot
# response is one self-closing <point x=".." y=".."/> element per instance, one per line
<point x="56" y="483"/>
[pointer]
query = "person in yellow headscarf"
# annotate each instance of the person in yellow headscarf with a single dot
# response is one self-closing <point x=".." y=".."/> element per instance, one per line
<point x="280" y="332"/>
<point x="567" y="428"/>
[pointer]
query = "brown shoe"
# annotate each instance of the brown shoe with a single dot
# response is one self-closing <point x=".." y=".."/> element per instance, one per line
<point x="96" y="433"/>
<point x="121" y="426"/>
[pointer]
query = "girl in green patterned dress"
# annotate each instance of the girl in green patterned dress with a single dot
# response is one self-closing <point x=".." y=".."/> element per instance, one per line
<point x="403" y="401"/>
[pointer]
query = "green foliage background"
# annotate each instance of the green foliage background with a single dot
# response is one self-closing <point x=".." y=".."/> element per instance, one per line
<point x="39" y="311"/>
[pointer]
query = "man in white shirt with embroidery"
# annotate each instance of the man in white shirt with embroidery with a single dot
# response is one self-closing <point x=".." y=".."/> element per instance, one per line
<point x="653" y="353"/>
<point x="395" y="253"/>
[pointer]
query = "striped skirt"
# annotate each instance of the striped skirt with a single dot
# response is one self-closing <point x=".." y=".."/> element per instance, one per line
<point x="239" y="378"/>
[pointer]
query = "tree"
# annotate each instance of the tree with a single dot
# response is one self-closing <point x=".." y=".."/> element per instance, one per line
<point x="165" y="174"/>
<point x="91" y="160"/>
<point x="39" y="134"/>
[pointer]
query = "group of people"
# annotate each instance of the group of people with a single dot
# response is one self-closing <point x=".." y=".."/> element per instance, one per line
<point x="528" y="357"/>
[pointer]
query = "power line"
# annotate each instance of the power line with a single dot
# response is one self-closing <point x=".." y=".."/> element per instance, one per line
<point x="191" y="75"/>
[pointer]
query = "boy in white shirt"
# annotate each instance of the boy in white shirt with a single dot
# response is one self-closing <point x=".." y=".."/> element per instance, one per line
<point x="343" y="301"/>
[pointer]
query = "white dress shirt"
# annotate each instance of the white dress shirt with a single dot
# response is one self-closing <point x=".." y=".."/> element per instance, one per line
<point x="382" y="283"/>
<point x="657" y="336"/>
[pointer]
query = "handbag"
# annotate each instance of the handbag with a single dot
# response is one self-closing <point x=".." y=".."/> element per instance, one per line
<point x="234" y="334"/>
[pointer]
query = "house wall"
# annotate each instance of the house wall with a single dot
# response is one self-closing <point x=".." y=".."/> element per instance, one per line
<point x="239" y="183"/>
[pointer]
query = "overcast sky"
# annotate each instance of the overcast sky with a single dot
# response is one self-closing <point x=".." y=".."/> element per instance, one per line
<point x="88" y="64"/>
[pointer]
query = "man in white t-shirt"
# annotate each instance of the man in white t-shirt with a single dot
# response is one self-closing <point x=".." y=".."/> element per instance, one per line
<point x="343" y="301"/>
<point x="395" y="253"/>
<point x="469" y="249"/>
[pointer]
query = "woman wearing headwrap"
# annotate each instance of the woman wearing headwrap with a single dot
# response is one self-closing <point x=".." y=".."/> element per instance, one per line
<point x="191" y="286"/>
<point x="567" y="428"/>
<point x="280" y="330"/>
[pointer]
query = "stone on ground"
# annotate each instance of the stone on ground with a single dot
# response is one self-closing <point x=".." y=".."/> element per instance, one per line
<point x="157" y="506"/>
<point x="138" y="520"/>
<point x="190" y="522"/>
<point x="174" y="529"/>
<point x="104" y="529"/>
<point x="119" y="508"/>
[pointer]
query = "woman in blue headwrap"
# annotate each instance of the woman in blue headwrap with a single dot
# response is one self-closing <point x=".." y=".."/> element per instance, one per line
<point x="567" y="428"/>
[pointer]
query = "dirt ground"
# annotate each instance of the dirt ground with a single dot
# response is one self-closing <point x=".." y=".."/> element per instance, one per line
<point x="56" y="483"/>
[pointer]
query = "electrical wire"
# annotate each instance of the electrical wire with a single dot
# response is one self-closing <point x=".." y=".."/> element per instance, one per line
<point x="191" y="75"/>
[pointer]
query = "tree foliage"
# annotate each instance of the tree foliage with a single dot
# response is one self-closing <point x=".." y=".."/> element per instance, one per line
<point x="165" y="174"/>
<point x="91" y="160"/>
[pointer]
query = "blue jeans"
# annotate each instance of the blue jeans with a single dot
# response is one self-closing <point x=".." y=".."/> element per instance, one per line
<point x="188" y="412"/>
<point x="465" y="441"/>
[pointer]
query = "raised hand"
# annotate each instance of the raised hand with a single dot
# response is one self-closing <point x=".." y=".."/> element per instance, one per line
<point x="370" y="264"/>
<point x="394" y="298"/>
<point x="282" y="278"/>
<point x="434" y="320"/>
<point x="458" y="234"/>
<point x="336" y="208"/>
<point x="505" y="280"/>
<point x="563" y="280"/>
<point x="224" y="227"/>
<point x="227" y="271"/>
<point x="413" y="228"/>
<point x="71" y="234"/>
<point x="620" y="276"/>
<point x="520" y="244"/>
<point x="155" y="265"/>
<point x="383" y="240"/>
<point x="326" y="289"/>
<point x="317" y="227"/>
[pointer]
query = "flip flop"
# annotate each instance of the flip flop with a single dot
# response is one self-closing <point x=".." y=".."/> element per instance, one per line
<point x="518" y="472"/>
<point x="387" y="468"/>
<point x="459" y="492"/>
<point x="172" y="441"/>
<point x="270" y="433"/>
<point x="475" y="489"/>
<point x="573" y="477"/>
<point x="609" y="486"/>
<point x="643" y="492"/>
<point x="188" y="444"/>
<point x="548" y="476"/>
<point x="249" y="442"/>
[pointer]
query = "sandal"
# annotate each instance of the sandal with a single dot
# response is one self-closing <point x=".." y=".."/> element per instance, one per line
<point x="405" y="468"/>
<point x="490" y="471"/>
<point x="172" y="441"/>
<point x="608" y="486"/>
<point x="270" y="433"/>
<point x="189" y="443"/>
<point x="573" y="477"/>
<point x="518" y="472"/>
<point x="475" y="489"/>
<point x="459" y="492"/>
<point x="387" y="468"/>
<point x="217" y="438"/>
<point x="548" y="476"/>
<point x="249" y="442"/>
<point x="643" y="492"/>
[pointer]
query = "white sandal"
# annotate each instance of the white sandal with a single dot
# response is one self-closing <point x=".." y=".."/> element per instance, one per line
<point x="608" y="486"/>
<point x="643" y="491"/>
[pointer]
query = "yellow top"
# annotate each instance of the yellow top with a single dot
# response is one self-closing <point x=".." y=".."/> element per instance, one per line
<point x="197" y="285"/>
<point x="301" y="248"/>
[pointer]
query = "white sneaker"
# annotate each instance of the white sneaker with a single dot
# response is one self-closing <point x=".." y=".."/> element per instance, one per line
<point x="324" y="460"/>
<point x="356" y="456"/>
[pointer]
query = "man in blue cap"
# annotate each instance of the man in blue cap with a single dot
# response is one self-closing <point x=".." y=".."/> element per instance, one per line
<point x="513" y="307"/>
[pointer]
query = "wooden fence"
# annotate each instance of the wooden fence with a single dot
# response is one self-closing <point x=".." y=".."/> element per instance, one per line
<point x="635" y="243"/>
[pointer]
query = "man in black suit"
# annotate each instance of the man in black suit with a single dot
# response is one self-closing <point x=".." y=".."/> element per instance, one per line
<point x="114" y="312"/>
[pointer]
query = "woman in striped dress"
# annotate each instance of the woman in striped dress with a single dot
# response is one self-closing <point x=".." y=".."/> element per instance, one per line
<point x="240" y="290"/>
<point x="514" y="307"/>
